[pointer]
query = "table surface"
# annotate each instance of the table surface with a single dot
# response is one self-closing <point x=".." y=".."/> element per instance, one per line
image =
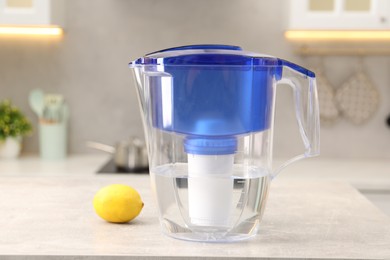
<point x="53" y="216"/>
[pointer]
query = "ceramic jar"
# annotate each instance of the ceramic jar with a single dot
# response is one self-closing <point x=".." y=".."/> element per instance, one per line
<point x="11" y="147"/>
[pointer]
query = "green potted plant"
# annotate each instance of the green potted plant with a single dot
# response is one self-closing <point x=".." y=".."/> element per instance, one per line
<point x="13" y="127"/>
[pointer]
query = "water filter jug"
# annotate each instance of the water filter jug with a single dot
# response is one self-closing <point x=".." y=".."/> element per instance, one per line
<point x="208" y="116"/>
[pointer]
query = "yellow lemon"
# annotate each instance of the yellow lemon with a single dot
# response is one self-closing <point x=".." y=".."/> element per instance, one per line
<point x="118" y="203"/>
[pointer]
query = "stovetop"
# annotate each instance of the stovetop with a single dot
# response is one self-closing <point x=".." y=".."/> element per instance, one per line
<point x="110" y="167"/>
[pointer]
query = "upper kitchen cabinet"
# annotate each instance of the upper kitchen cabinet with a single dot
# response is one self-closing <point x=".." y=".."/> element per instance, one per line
<point x="18" y="16"/>
<point x="340" y="26"/>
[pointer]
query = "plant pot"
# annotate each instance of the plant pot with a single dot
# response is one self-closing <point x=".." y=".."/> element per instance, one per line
<point x="10" y="147"/>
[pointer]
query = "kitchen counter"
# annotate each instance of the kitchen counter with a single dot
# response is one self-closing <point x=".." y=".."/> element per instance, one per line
<point x="32" y="165"/>
<point x="46" y="211"/>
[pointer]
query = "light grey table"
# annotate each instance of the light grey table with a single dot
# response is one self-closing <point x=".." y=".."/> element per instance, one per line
<point x="52" y="216"/>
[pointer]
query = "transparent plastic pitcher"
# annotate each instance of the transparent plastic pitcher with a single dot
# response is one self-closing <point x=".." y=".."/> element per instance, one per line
<point x="208" y="119"/>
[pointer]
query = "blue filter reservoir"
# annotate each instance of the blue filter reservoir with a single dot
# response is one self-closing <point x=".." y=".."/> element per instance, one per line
<point x="212" y="94"/>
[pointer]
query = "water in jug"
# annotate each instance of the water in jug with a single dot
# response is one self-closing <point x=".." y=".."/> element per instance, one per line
<point x="208" y="114"/>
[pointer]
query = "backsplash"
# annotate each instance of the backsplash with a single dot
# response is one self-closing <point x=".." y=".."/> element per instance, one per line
<point x="89" y="68"/>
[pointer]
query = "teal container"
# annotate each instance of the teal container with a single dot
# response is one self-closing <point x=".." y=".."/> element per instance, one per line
<point x="53" y="140"/>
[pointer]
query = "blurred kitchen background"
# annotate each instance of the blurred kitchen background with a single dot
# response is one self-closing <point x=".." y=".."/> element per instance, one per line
<point x="88" y="66"/>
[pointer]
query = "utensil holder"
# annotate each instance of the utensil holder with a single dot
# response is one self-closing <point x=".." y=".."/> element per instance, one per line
<point x="53" y="140"/>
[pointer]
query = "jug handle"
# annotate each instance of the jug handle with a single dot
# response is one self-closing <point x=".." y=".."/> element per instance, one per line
<point x="306" y="109"/>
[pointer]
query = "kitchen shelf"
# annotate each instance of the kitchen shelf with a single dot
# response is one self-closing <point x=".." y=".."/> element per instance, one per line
<point x="339" y="42"/>
<point x="339" y="27"/>
<point x="32" y="17"/>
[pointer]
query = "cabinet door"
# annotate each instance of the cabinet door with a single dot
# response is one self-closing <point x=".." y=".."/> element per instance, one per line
<point x="25" y="12"/>
<point x="339" y="14"/>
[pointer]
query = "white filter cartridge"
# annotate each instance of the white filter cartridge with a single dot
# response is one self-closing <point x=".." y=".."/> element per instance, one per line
<point x="210" y="189"/>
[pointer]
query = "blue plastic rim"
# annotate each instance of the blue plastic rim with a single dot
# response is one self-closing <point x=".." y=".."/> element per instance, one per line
<point x="212" y="93"/>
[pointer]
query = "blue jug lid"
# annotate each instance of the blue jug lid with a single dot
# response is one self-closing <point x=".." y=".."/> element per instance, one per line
<point x="213" y="55"/>
<point x="206" y="54"/>
<point x="200" y="47"/>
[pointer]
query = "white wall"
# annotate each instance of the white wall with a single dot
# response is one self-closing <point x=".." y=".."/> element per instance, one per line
<point x="89" y="66"/>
